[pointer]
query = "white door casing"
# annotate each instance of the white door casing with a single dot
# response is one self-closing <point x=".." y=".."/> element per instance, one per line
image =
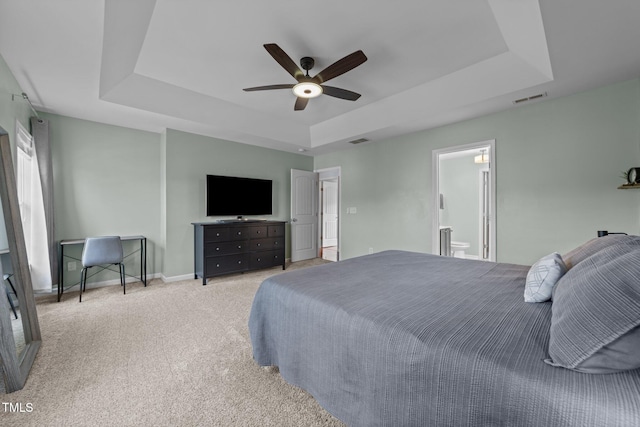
<point x="490" y="224"/>
<point x="484" y="214"/>
<point x="304" y="215"/>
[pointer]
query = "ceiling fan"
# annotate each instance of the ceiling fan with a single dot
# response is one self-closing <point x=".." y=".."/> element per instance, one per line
<point x="311" y="87"/>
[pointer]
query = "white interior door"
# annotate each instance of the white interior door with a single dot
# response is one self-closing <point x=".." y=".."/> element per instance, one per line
<point x="304" y="215"/>
<point x="329" y="213"/>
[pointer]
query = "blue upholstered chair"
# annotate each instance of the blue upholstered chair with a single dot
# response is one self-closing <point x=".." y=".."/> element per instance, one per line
<point x="100" y="251"/>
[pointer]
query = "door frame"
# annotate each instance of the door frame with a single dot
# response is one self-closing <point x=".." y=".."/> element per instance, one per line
<point x="435" y="192"/>
<point x="326" y="174"/>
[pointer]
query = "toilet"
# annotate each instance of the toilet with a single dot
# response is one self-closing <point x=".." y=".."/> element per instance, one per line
<point x="458" y="248"/>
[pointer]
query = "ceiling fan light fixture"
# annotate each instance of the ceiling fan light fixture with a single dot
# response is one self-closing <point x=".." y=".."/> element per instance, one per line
<point x="307" y="90"/>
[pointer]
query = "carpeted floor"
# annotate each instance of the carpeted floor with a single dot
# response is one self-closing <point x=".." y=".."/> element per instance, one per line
<point x="174" y="354"/>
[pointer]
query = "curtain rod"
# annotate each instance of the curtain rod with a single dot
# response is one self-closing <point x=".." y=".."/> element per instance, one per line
<point x="26" y="98"/>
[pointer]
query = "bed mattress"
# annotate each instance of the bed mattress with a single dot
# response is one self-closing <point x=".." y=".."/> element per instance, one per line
<point x="407" y="339"/>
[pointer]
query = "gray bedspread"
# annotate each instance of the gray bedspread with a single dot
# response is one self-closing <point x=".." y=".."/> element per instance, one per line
<point x="407" y="339"/>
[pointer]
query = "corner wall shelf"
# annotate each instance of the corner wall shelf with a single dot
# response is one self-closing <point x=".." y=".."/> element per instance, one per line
<point x="628" y="186"/>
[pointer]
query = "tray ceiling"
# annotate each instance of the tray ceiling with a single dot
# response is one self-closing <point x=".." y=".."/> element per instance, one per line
<point x="162" y="64"/>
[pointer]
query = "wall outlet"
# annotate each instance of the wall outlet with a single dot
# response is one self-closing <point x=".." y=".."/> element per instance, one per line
<point x="370" y="250"/>
<point x="71" y="266"/>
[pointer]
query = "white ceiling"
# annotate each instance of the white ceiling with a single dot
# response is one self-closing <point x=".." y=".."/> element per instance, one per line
<point x="162" y="64"/>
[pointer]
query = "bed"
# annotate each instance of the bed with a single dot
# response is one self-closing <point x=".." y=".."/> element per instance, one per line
<point x="408" y="339"/>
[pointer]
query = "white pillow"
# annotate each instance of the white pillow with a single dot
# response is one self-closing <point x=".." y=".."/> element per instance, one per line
<point x="542" y="278"/>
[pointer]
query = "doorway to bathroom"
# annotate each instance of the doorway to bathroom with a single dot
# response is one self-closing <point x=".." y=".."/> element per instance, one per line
<point x="329" y="226"/>
<point x="464" y="201"/>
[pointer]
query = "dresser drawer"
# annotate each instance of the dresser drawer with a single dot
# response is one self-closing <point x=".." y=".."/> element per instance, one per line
<point x="224" y="248"/>
<point x="265" y="259"/>
<point x="226" y="264"/>
<point x="275" y="230"/>
<point x="238" y="233"/>
<point x="258" y="231"/>
<point x="216" y="234"/>
<point x="267" y="243"/>
<point x="223" y="234"/>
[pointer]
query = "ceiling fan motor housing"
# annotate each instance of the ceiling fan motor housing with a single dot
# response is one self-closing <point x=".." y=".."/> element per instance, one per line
<point x="307" y="63"/>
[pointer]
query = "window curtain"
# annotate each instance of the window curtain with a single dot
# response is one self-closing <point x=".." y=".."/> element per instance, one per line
<point x="44" y="218"/>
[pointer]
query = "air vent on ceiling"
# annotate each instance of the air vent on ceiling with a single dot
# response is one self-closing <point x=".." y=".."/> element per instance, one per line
<point x="358" y="141"/>
<point x="530" y="98"/>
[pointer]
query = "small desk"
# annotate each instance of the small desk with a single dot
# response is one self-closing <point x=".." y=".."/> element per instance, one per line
<point x="61" y="257"/>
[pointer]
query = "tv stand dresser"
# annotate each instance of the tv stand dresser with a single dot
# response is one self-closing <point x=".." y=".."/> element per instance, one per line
<point x="237" y="246"/>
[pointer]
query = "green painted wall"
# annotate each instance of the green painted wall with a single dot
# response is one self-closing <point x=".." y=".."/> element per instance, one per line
<point x="114" y="180"/>
<point x="558" y="166"/>
<point x="189" y="158"/>
<point x="106" y="182"/>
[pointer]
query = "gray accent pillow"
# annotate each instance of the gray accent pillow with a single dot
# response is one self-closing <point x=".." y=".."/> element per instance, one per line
<point x="584" y="251"/>
<point x="596" y="313"/>
<point x="542" y="278"/>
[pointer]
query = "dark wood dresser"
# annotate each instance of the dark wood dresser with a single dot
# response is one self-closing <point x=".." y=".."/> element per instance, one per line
<point x="237" y="246"/>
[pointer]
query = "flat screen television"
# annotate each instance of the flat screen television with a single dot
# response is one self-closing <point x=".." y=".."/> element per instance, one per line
<point x="230" y="195"/>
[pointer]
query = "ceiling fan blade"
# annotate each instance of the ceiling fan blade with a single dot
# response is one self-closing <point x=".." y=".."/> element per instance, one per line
<point x="284" y="60"/>
<point x="336" y="92"/>
<point x="341" y="66"/>
<point x="270" y="87"/>
<point x="301" y="103"/>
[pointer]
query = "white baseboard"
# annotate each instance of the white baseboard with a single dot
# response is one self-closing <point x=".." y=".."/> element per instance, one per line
<point x="112" y="282"/>
<point x="160" y="276"/>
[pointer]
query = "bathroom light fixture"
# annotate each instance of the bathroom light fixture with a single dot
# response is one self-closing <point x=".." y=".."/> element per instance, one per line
<point x="481" y="158"/>
<point x="307" y="90"/>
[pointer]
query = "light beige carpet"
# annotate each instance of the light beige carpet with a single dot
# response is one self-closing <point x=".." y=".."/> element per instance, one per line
<point x="174" y="354"/>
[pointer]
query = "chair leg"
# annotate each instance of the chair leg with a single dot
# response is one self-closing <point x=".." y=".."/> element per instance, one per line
<point x="13" y="308"/>
<point x="7" y="277"/>
<point x="122" y="279"/>
<point x="11" y="284"/>
<point x="83" y="281"/>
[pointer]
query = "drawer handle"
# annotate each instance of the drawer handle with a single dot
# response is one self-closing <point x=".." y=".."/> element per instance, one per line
<point x="217" y="234"/>
<point x="239" y="262"/>
<point x="259" y="244"/>
<point x="217" y="265"/>
<point x="217" y="249"/>
<point x="239" y="246"/>
<point x="259" y="259"/>
<point x="276" y="243"/>
<point x="239" y="233"/>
